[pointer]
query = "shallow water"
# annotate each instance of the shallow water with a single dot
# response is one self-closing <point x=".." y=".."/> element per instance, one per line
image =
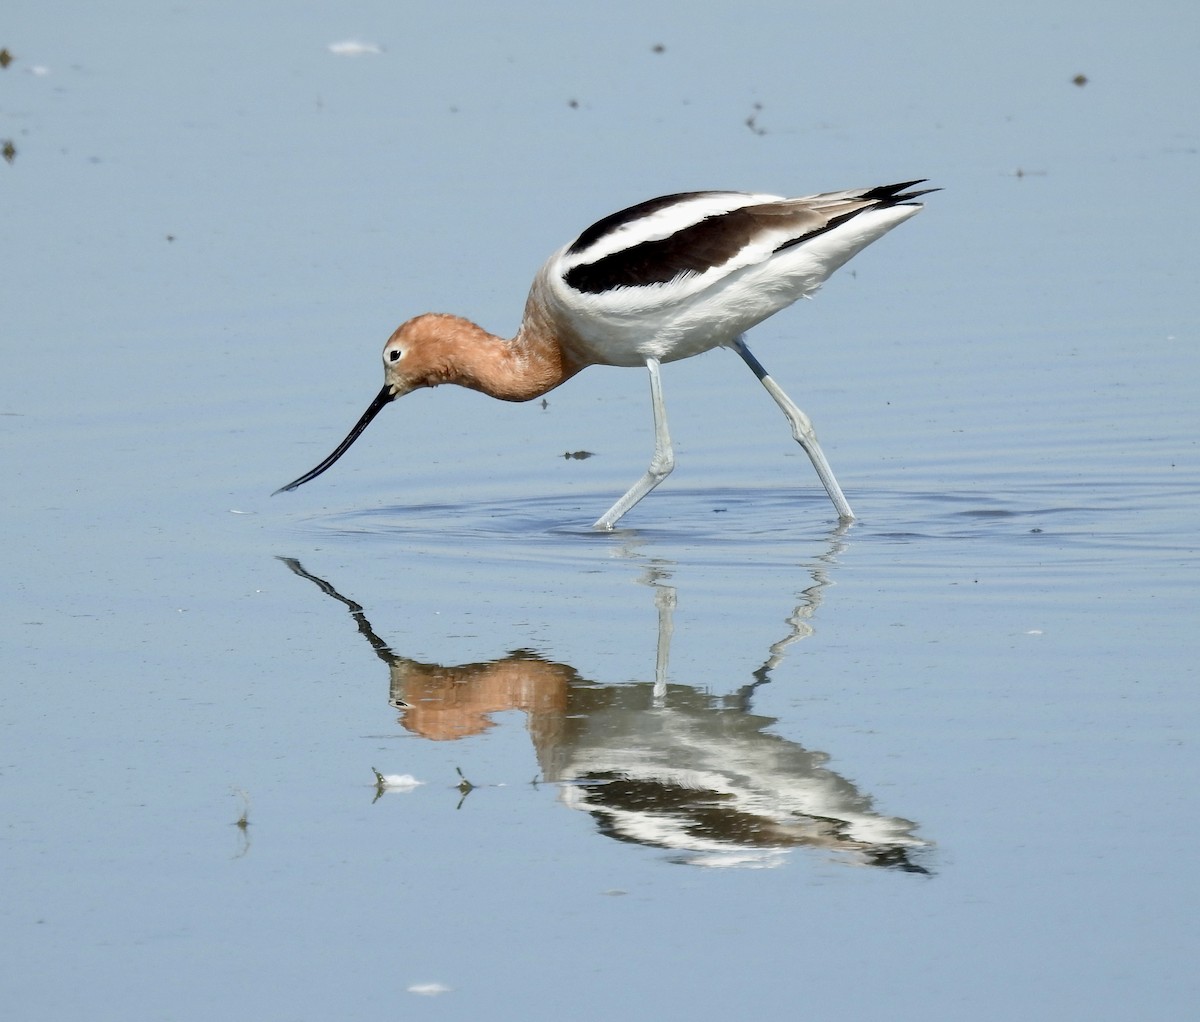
<point x="731" y="759"/>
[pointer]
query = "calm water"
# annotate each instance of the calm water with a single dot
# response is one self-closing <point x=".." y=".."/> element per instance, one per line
<point x="728" y="760"/>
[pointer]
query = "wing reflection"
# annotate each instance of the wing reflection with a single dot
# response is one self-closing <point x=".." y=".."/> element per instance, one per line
<point x="657" y="763"/>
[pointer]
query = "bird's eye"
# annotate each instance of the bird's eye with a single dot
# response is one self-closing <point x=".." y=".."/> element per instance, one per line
<point x="394" y="355"/>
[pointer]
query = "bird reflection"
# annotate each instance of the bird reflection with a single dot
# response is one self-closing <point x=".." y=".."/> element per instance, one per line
<point x="657" y="763"/>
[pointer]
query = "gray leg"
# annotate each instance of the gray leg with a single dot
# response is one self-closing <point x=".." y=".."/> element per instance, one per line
<point x="802" y="430"/>
<point x="660" y="465"/>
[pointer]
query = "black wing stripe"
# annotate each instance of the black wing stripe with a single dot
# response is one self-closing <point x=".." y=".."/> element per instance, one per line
<point x="711" y="242"/>
<point x="614" y="221"/>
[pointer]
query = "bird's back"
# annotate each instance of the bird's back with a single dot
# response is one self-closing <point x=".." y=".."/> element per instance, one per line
<point x="681" y="274"/>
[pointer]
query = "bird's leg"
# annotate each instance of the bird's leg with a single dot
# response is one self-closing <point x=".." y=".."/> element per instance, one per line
<point x="660" y="465"/>
<point x="802" y="430"/>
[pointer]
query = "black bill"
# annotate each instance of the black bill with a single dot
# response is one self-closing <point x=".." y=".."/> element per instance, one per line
<point x="383" y="398"/>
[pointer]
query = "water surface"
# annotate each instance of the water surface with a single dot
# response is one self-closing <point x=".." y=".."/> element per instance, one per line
<point x="731" y="759"/>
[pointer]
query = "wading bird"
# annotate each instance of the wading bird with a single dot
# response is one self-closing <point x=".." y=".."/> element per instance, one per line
<point x="663" y="280"/>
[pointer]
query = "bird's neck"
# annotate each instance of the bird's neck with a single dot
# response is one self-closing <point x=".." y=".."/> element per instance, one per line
<point x="520" y="369"/>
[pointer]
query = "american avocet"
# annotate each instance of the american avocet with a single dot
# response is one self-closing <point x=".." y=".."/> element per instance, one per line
<point x="663" y="280"/>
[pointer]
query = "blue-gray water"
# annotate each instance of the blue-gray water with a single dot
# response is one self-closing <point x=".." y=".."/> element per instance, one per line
<point x="730" y="760"/>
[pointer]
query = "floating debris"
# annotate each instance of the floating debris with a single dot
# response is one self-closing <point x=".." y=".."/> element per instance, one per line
<point x="354" y="48"/>
<point x="6" y="57"/>
<point x="578" y="455"/>
<point x="243" y="824"/>
<point x="8" y="150"/>
<point x="1080" y="80"/>
<point x="243" y="821"/>
<point x="752" y="121"/>
<point x="395" y="782"/>
<point x="428" y="989"/>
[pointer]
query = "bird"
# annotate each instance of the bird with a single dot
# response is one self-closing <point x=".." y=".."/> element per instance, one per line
<point x="663" y="280"/>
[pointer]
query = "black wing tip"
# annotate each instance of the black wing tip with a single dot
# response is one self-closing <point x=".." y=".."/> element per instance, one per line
<point x="897" y="194"/>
